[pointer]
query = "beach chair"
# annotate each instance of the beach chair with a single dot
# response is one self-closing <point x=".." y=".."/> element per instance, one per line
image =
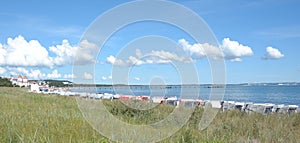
<point x="172" y="100"/>
<point x="283" y="110"/>
<point x="188" y="102"/>
<point x="257" y="108"/>
<point x="268" y="108"/>
<point x="276" y="108"/>
<point x="231" y="105"/>
<point x="239" y="105"/>
<point x="247" y="107"/>
<point x="157" y="99"/>
<point x="98" y="96"/>
<point x="292" y="108"/>
<point x="215" y="104"/>
<point x="225" y="105"/>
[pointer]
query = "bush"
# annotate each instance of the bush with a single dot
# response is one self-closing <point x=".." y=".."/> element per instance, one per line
<point x="5" y="82"/>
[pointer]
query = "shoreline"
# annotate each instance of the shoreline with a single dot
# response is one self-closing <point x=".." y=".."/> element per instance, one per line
<point x="223" y="105"/>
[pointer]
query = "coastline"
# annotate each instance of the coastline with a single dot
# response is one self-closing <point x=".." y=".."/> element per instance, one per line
<point x="40" y="117"/>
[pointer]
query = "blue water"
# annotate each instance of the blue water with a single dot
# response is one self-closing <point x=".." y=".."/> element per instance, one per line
<point x="289" y="94"/>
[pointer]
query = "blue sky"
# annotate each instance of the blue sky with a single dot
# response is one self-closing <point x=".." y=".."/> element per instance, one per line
<point x="259" y="39"/>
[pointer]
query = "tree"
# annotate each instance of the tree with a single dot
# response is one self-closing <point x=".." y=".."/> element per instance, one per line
<point x="5" y="82"/>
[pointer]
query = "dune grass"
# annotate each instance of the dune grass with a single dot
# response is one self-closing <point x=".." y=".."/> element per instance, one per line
<point x="29" y="117"/>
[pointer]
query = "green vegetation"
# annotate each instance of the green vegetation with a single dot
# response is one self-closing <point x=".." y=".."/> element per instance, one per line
<point x="56" y="83"/>
<point x="5" y="82"/>
<point x="29" y="117"/>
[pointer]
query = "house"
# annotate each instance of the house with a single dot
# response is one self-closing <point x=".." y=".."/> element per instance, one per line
<point x="34" y="87"/>
<point x="20" y="81"/>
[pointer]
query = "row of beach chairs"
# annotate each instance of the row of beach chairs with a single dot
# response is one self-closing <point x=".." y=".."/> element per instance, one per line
<point x="248" y="107"/>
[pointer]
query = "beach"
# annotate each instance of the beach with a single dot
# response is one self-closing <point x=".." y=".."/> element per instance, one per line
<point x="32" y="117"/>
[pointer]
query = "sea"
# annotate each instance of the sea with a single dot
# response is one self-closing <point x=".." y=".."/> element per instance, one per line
<point x="275" y="93"/>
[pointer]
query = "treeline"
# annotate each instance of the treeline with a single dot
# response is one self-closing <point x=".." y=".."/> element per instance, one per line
<point x="58" y="83"/>
<point x="5" y="82"/>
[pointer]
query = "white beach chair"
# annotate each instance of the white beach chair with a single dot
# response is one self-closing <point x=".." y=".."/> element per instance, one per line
<point x="239" y="105"/>
<point x="247" y="107"/>
<point x="283" y="110"/>
<point x="292" y="108"/>
<point x="268" y="108"/>
<point x="157" y="99"/>
<point x="215" y="104"/>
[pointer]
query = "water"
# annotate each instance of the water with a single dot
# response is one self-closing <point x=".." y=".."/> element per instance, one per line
<point x="287" y="94"/>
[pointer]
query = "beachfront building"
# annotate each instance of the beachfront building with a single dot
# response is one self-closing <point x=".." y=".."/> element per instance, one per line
<point x="34" y="87"/>
<point x="20" y="81"/>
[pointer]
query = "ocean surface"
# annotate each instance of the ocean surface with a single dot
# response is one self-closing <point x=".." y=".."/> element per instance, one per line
<point x="260" y="93"/>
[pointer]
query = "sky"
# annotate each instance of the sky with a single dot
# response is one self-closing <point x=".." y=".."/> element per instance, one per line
<point x="258" y="40"/>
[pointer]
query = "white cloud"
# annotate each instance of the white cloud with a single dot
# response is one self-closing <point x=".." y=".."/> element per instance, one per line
<point x="103" y="78"/>
<point x="137" y="78"/>
<point x="233" y="49"/>
<point x="54" y="75"/>
<point x="110" y="77"/>
<point x="236" y="60"/>
<point x="3" y="53"/>
<point x="229" y="50"/>
<point x="272" y="53"/>
<point x="22" y="70"/>
<point x="2" y="70"/>
<point x="153" y="57"/>
<point x="166" y="57"/>
<point x="87" y="75"/>
<point x="197" y="51"/>
<point x="36" y="74"/>
<point x="19" y="52"/>
<point x="114" y="61"/>
<point x="86" y="53"/>
<point x="111" y="59"/>
<point x="134" y="61"/>
<point x="69" y="76"/>
<point x="22" y="53"/>
<point x="64" y="53"/>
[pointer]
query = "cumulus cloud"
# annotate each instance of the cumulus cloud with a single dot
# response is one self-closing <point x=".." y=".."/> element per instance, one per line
<point x="229" y="50"/>
<point x="54" y="75"/>
<point x="197" y="51"/>
<point x="106" y="77"/>
<point x="36" y="73"/>
<point x="3" y="53"/>
<point x="111" y="59"/>
<point x="64" y="53"/>
<point x="19" y="52"/>
<point x="153" y="57"/>
<point x="137" y="78"/>
<point x="134" y="61"/>
<point x="69" y="76"/>
<point x="165" y="57"/>
<point x="86" y="53"/>
<point x="103" y="78"/>
<point x="114" y="61"/>
<point x="87" y="75"/>
<point x="233" y="49"/>
<point x="2" y="70"/>
<point x="272" y="53"/>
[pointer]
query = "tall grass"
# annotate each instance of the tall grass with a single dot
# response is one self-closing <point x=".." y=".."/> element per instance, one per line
<point x="29" y="117"/>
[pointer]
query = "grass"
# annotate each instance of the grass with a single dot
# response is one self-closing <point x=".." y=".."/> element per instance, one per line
<point x="29" y="117"/>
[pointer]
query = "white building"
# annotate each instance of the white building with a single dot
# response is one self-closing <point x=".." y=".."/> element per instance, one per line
<point x="34" y="87"/>
<point x="20" y="81"/>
